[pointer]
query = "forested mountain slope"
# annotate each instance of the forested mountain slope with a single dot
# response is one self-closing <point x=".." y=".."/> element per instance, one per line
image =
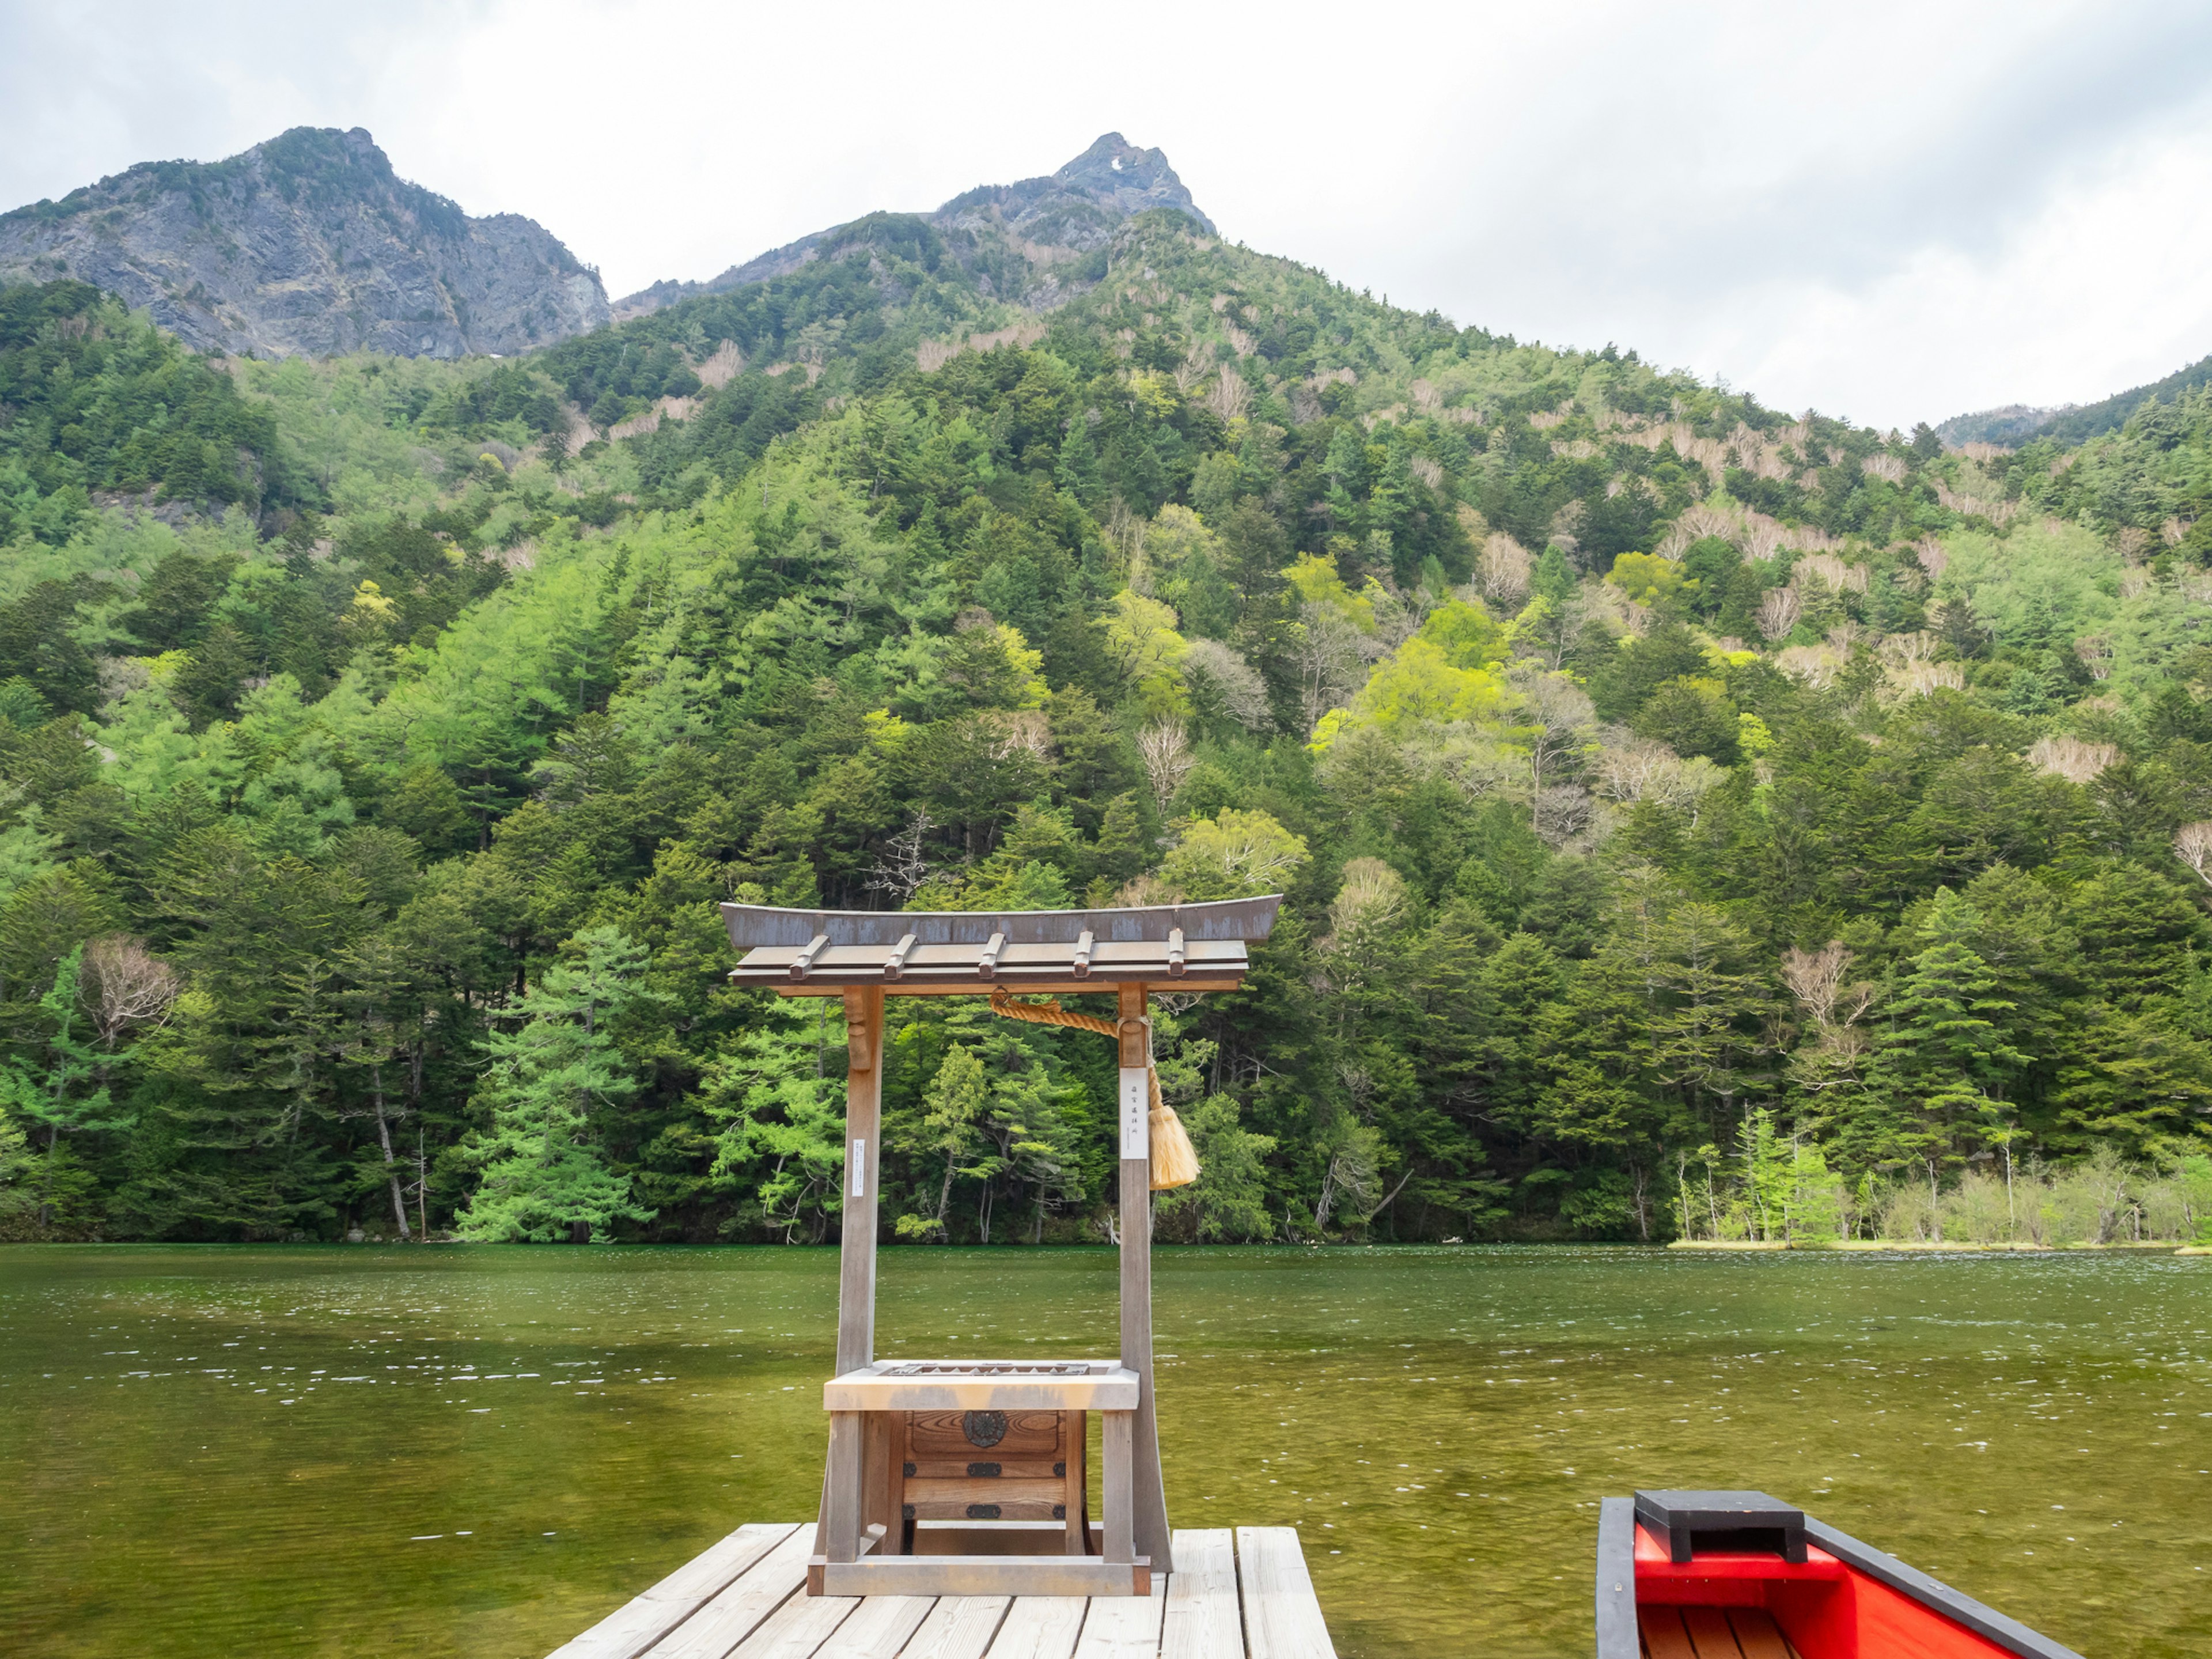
<point x="2073" y="424"/>
<point x="1693" y="818"/>
<point x="307" y="243"/>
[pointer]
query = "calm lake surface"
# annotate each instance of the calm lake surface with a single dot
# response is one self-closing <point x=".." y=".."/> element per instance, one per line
<point x="479" y="1451"/>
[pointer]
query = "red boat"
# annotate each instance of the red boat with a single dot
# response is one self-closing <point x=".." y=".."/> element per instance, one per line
<point x="1737" y="1575"/>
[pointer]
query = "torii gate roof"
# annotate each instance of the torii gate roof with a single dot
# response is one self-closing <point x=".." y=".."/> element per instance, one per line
<point x="1183" y="947"/>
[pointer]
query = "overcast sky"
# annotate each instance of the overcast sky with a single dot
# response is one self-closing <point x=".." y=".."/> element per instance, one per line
<point x="1890" y="212"/>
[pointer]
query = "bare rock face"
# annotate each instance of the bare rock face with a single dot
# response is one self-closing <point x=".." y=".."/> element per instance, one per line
<point x="1079" y="207"/>
<point x="1042" y="222"/>
<point x="308" y="243"/>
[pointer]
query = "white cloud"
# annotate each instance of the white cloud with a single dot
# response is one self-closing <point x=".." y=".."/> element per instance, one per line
<point x="1890" y="211"/>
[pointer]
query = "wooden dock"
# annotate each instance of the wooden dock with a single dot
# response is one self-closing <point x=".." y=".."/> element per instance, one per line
<point x="1240" y="1595"/>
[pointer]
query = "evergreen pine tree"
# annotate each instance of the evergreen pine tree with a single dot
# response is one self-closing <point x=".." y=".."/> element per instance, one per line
<point x="1945" y="1055"/>
<point x="553" y="1081"/>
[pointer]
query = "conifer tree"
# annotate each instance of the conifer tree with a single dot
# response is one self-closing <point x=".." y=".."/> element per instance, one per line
<point x="554" y="1081"/>
<point x="49" y="1092"/>
<point x="1945" y="1053"/>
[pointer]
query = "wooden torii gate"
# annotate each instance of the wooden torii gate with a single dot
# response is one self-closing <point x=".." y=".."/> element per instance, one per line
<point x="904" y="1435"/>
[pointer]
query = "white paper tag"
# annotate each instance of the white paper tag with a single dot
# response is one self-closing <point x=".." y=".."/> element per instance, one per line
<point x="1136" y="1114"/>
<point x="858" y="1163"/>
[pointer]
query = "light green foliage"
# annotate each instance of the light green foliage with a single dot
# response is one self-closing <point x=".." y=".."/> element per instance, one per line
<point x="1650" y="580"/>
<point x="1145" y="644"/>
<point x="46" y="1096"/>
<point x="1467" y="635"/>
<point x="2042" y="585"/>
<point x="783" y="1134"/>
<point x="950" y="1127"/>
<point x="1234" y="854"/>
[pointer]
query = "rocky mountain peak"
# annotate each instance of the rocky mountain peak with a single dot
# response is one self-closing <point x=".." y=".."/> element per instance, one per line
<point x="1080" y="206"/>
<point x="309" y="242"/>
<point x="1040" y="222"/>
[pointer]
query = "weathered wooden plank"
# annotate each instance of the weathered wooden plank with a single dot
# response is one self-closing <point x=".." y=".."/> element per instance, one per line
<point x="1039" y="1627"/>
<point x="1115" y="1450"/>
<point x="958" y="1627"/>
<point x="1124" y="1627"/>
<point x="644" y="1618"/>
<point x="856" y="1247"/>
<point x="1203" y="1619"/>
<point x="1756" y="1634"/>
<point x="983" y="1575"/>
<point x="845" y="1489"/>
<point x="1148" y="1494"/>
<point x="1282" y="1618"/>
<point x="1709" y="1634"/>
<point x="754" y="925"/>
<point x="797" y="1628"/>
<point x="1007" y="1499"/>
<point x="880" y="1630"/>
<point x="967" y="985"/>
<point x="1075" y="1500"/>
<point x="1662" y="1632"/>
<point x="739" y="1611"/>
<point x="844" y="1475"/>
<point x="879" y="1507"/>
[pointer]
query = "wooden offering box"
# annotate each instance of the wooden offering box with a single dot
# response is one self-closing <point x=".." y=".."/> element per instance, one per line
<point x="994" y="1444"/>
<point x="998" y="1441"/>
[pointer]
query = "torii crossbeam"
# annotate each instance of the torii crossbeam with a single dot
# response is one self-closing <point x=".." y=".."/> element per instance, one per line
<point x="903" y="1435"/>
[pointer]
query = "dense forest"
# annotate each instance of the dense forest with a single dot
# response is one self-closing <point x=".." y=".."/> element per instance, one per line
<point x="1694" y="818"/>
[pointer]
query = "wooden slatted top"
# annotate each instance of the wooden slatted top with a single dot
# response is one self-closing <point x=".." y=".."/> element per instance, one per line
<point x="945" y="1385"/>
<point x="1197" y="947"/>
<point x="1245" y="1596"/>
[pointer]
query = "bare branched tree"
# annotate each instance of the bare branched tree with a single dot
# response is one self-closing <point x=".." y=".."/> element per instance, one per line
<point x="1237" y="685"/>
<point x="1505" y="569"/>
<point x="1638" y="770"/>
<point x="2192" y="845"/>
<point x="1919" y="679"/>
<point x="1562" y="715"/>
<point x="1230" y="397"/>
<point x="1815" y="978"/>
<point x="1329" y="653"/>
<point x="1562" y="812"/>
<point x="2072" y="759"/>
<point x="1778" y="610"/>
<point x="1167" y="760"/>
<point x="1831" y="572"/>
<point x="1011" y="732"/>
<point x="129" y="985"/>
<point x="1834" y="1005"/>
<point x="902" y="869"/>
<point x="1817" y="666"/>
<point x="1373" y="895"/>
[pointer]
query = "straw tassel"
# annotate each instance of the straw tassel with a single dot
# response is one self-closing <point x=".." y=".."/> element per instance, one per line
<point x="1175" y="1160"/>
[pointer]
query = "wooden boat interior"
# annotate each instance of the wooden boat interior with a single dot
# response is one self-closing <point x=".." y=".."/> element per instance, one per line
<point x="1739" y="1575"/>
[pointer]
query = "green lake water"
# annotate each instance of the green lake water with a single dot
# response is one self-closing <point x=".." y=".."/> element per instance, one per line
<point x="479" y="1451"/>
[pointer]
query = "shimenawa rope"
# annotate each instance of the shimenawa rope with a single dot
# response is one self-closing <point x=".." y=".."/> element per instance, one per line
<point x="1175" y="1160"/>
